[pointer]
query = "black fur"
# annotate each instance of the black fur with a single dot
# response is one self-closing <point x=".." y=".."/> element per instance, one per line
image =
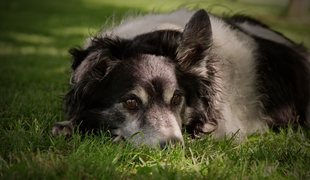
<point x="284" y="76"/>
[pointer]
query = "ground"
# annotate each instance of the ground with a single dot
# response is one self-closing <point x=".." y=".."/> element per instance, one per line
<point x="34" y="74"/>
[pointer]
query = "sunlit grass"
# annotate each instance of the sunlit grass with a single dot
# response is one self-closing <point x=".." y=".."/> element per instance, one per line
<point x="8" y="49"/>
<point x="30" y="38"/>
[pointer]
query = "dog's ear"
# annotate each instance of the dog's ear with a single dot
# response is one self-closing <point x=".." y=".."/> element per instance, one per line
<point x="196" y="39"/>
<point x="79" y="61"/>
<point x="97" y="60"/>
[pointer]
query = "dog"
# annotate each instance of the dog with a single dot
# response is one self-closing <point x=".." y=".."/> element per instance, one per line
<point x="156" y="74"/>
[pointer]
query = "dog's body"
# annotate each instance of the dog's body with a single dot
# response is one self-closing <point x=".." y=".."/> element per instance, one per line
<point x="155" y="73"/>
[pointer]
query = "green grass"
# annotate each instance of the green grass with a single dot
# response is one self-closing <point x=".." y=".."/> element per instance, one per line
<point x="34" y="73"/>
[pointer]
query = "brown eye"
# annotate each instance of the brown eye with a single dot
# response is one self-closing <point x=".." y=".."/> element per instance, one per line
<point x="131" y="103"/>
<point x="176" y="99"/>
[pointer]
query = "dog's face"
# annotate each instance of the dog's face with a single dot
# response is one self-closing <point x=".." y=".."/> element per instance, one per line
<point x="152" y="101"/>
<point x="142" y="89"/>
<point x="140" y="94"/>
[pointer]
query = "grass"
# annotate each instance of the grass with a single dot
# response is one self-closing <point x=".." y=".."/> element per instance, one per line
<point x="34" y="73"/>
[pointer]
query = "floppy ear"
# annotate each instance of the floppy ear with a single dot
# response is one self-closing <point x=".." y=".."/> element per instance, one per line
<point x="196" y="40"/>
<point x="97" y="60"/>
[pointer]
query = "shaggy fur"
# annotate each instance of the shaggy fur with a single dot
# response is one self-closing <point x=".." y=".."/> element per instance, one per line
<point x="155" y="73"/>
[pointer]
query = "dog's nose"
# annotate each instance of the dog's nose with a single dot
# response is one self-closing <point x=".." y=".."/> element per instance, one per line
<point x="174" y="142"/>
<point x="163" y="144"/>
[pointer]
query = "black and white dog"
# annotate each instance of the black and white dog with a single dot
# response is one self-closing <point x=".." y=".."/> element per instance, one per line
<point x="156" y="73"/>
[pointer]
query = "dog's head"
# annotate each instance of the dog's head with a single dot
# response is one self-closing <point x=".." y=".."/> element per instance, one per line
<point x="148" y="86"/>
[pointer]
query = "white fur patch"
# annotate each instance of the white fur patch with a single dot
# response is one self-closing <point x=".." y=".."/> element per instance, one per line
<point x="133" y="26"/>
<point x="151" y="22"/>
<point x="264" y="33"/>
<point x="238" y="100"/>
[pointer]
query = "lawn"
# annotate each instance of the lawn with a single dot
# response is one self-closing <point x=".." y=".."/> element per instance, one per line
<point x="34" y="74"/>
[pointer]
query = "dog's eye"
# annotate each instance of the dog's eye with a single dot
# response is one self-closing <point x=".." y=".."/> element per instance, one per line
<point x="176" y="99"/>
<point x="131" y="103"/>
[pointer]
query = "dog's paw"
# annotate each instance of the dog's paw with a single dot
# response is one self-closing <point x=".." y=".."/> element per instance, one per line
<point x="63" y="128"/>
<point x="118" y="138"/>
